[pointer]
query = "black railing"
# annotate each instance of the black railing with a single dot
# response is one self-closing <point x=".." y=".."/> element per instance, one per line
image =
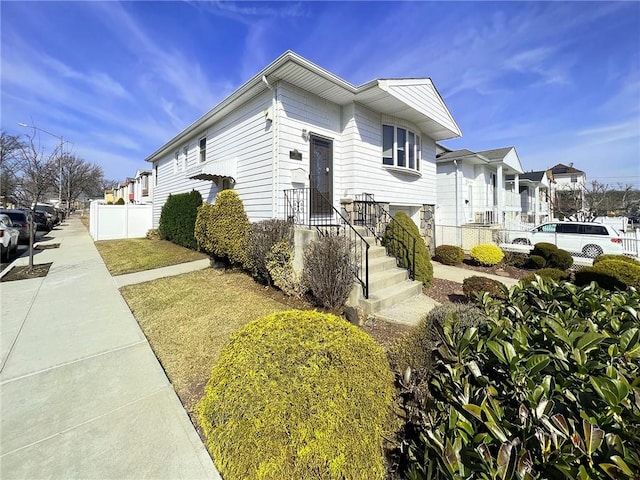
<point x="374" y="217"/>
<point x="309" y="207"/>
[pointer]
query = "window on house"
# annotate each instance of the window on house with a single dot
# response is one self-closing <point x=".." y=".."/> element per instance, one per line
<point x="574" y="179"/>
<point x="400" y="147"/>
<point x="175" y="162"/>
<point x="155" y="176"/>
<point x="203" y="149"/>
<point x="185" y="150"/>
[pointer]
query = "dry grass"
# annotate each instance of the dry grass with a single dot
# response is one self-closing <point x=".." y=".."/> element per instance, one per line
<point x="188" y="319"/>
<point x="138" y="254"/>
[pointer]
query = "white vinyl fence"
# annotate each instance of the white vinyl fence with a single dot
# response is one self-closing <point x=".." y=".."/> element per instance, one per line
<point x="112" y="222"/>
<point x="467" y="236"/>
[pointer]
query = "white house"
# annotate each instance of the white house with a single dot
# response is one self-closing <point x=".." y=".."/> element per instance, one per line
<point x="567" y="190"/>
<point x="142" y="187"/>
<point x="295" y="125"/>
<point x="477" y="187"/>
<point x="534" y="197"/>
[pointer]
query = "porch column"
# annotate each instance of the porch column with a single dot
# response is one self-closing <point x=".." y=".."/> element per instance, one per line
<point x="516" y="195"/>
<point x="536" y="206"/>
<point x="500" y="186"/>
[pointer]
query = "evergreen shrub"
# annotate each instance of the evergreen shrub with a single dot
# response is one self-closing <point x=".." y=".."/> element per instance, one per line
<point x="554" y="257"/>
<point x="486" y="254"/>
<point x="119" y="201"/>
<point x="298" y="395"/>
<point x="546" y="388"/>
<point x="223" y="229"/>
<point x="329" y="270"/>
<point x="622" y="258"/>
<point x="478" y="285"/>
<point x="543" y="249"/>
<point x="398" y="240"/>
<point x="546" y="274"/>
<point x="280" y="269"/>
<point x="264" y="235"/>
<point x="449" y="254"/>
<point x="536" y="262"/>
<point x="625" y="273"/>
<point x="178" y="218"/>
<point x="516" y="259"/>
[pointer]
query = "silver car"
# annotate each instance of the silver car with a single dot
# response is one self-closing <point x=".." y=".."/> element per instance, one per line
<point x="8" y="236"/>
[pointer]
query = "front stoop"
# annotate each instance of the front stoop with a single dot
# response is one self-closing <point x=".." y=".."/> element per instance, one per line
<point x="389" y="285"/>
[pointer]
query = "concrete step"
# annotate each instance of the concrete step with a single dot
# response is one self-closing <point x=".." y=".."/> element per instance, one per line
<point x="380" y="280"/>
<point x="390" y="296"/>
<point x="381" y="264"/>
<point x="376" y="252"/>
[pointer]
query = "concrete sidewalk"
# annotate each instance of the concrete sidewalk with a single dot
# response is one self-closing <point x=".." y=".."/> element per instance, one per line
<point x="154" y="274"/>
<point x="81" y="393"/>
<point x="457" y="274"/>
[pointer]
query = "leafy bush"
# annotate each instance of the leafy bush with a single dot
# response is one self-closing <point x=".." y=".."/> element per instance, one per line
<point x="554" y="257"/>
<point x="264" y="235"/>
<point x="398" y="240"/>
<point x="178" y="218"/>
<point x="586" y="275"/>
<point x="622" y="258"/>
<point x="119" y="201"/>
<point x="449" y="254"/>
<point x="625" y="273"/>
<point x="487" y="254"/>
<point x="280" y="268"/>
<point x="298" y="395"/>
<point x="546" y="274"/>
<point x="478" y="285"/>
<point x="152" y="234"/>
<point x="543" y="249"/>
<point x="328" y="270"/>
<point x="516" y="259"/>
<point x="223" y="229"/>
<point x="547" y="388"/>
<point x="413" y="350"/>
<point x="536" y="262"/>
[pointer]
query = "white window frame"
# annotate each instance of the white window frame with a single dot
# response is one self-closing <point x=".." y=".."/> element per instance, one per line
<point x="417" y="148"/>
<point x="185" y="151"/>
<point x="176" y="156"/>
<point x="202" y="154"/>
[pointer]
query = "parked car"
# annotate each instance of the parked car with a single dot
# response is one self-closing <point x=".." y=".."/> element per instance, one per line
<point x="21" y="222"/>
<point x="49" y="211"/>
<point x="585" y="238"/>
<point x="8" y="237"/>
<point x="42" y="222"/>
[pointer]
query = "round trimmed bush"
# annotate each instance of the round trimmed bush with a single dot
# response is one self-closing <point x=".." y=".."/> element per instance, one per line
<point x="546" y="274"/>
<point x="622" y="258"/>
<point x="398" y="240"/>
<point x="119" y="201"/>
<point x="536" y="262"/>
<point x="487" y="254"/>
<point x="449" y="254"/>
<point x="298" y="395"/>
<point x="476" y="285"/>
<point x="560" y="259"/>
<point x="543" y="249"/>
<point x="625" y="273"/>
<point x="586" y="275"/>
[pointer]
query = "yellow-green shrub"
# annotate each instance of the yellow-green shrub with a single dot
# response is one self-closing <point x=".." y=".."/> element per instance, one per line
<point x="223" y="229"/>
<point x="487" y="254"/>
<point x="449" y="254"/>
<point x="279" y="264"/>
<point x="621" y="258"/>
<point x="298" y="395"/>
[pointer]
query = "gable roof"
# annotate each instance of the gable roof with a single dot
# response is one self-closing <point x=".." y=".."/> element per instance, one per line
<point x="416" y="100"/>
<point x="506" y="156"/>
<point x="562" y="169"/>
<point x="533" y="176"/>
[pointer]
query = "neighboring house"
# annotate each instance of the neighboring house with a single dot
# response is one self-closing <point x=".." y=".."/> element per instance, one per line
<point x="478" y="187"/>
<point x="296" y="128"/>
<point x="142" y="187"/>
<point x="534" y="197"/>
<point x="567" y="190"/>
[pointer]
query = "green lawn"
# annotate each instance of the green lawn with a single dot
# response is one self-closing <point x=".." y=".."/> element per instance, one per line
<point x="138" y="254"/>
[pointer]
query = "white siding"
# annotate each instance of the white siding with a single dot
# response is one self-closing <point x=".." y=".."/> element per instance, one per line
<point x="244" y="135"/>
<point x="446" y="194"/>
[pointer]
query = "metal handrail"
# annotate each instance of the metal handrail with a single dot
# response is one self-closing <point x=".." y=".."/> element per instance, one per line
<point x="373" y="216"/>
<point x="328" y="219"/>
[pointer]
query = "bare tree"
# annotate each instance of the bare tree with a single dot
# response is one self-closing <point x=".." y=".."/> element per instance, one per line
<point x="37" y="171"/>
<point x="10" y="146"/>
<point x="80" y="177"/>
<point x="594" y="200"/>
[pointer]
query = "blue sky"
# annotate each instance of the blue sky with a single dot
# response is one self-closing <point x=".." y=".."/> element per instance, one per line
<point x="559" y="81"/>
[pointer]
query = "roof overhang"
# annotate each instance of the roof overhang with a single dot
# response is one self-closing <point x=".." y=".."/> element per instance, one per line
<point x="415" y="100"/>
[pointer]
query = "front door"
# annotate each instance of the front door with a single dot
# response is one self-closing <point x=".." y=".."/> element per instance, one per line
<point x="321" y="178"/>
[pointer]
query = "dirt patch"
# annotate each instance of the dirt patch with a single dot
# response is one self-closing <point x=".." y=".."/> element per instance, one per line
<point x="445" y="291"/>
<point x="501" y="270"/>
<point x="25" y="273"/>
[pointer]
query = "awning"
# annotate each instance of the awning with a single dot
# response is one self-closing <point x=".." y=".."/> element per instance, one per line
<point x="215" y="170"/>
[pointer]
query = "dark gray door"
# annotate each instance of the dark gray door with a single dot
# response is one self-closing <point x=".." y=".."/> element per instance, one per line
<point x="321" y="178"/>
